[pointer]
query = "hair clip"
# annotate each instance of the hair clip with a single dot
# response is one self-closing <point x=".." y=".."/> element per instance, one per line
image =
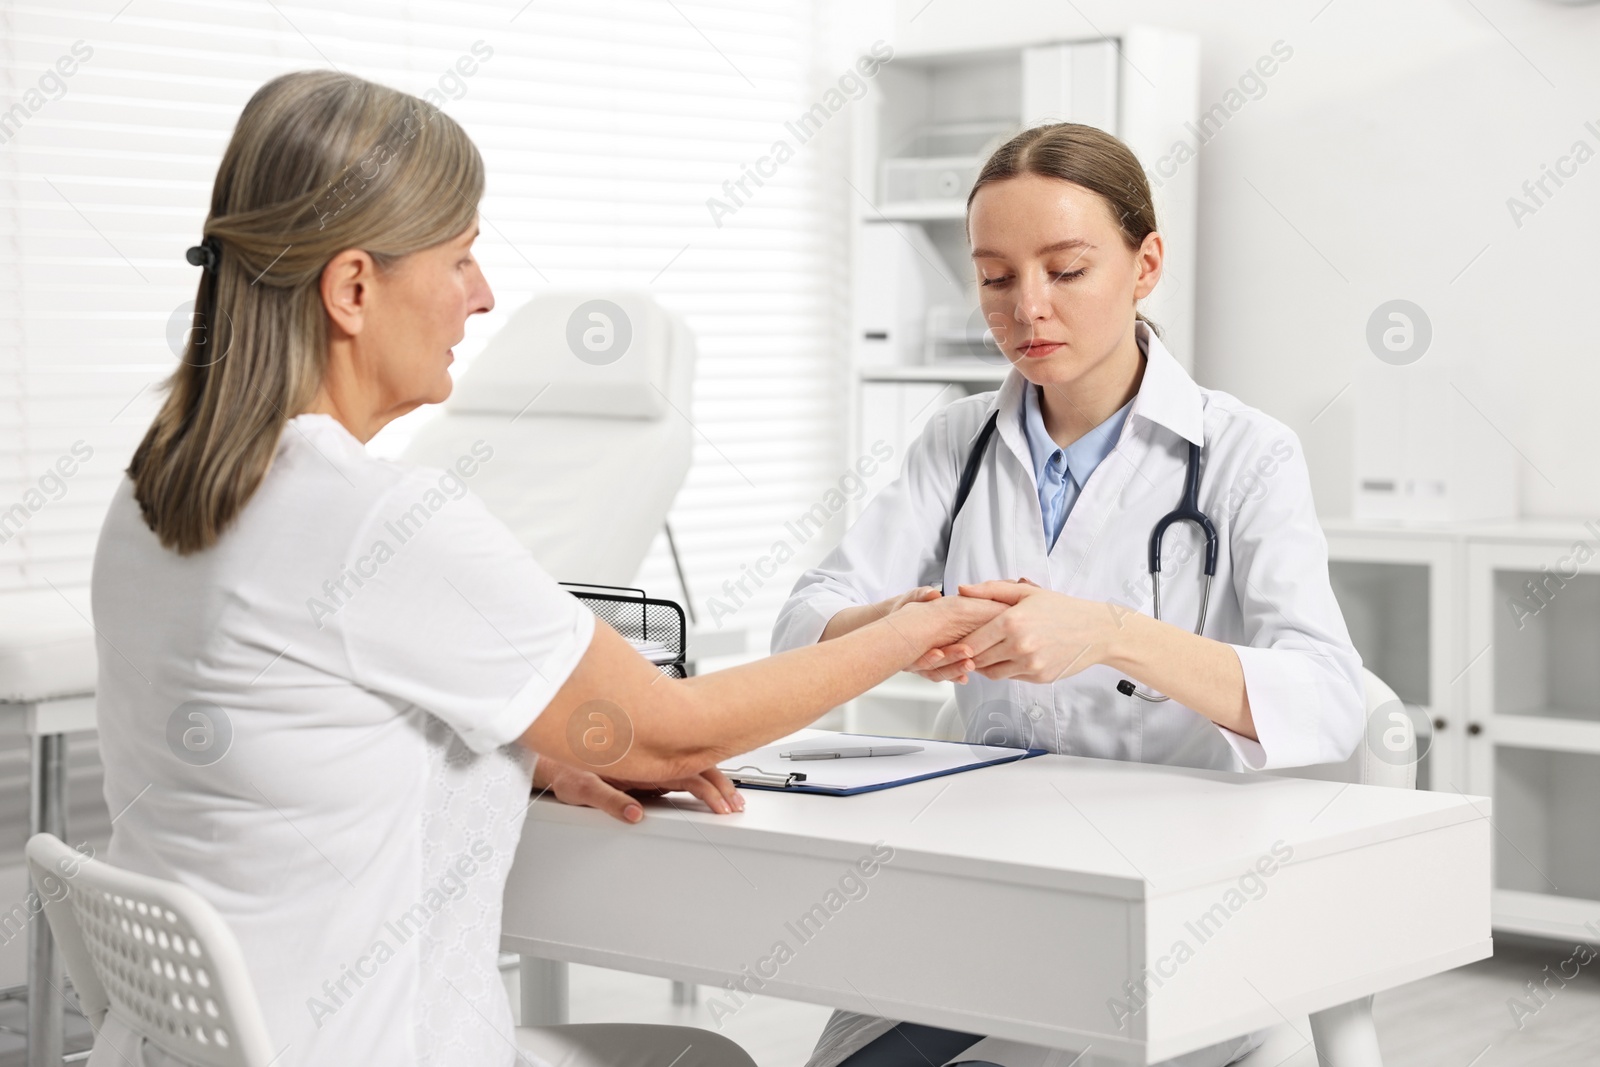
<point x="205" y="254"/>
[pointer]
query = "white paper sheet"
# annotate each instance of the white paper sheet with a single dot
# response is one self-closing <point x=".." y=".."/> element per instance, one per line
<point x="860" y="772"/>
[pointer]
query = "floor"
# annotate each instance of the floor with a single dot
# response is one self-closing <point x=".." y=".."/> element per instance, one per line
<point x="1458" y="1019"/>
<point x="14" y="1031"/>
<point x="776" y="1033"/>
<point x="1464" y="1018"/>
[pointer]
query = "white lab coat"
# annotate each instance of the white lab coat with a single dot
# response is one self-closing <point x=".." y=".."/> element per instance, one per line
<point x="1271" y="598"/>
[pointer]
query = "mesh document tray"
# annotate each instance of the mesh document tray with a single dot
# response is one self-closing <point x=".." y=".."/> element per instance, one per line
<point x="639" y="619"/>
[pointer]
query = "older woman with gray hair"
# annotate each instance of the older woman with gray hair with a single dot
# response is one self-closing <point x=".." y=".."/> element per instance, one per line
<point x="357" y="806"/>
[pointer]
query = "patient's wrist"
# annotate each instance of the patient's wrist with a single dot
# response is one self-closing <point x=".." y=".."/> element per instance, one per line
<point x="840" y="623"/>
<point x="922" y="625"/>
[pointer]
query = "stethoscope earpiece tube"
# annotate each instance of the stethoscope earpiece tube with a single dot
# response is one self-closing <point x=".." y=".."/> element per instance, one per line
<point x="1188" y="510"/>
<point x="969" y="472"/>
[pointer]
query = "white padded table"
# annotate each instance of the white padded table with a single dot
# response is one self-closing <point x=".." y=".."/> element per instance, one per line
<point x="1021" y="899"/>
<point x="47" y="678"/>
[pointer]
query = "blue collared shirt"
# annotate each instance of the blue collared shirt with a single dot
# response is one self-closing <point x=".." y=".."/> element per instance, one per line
<point x="1061" y="473"/>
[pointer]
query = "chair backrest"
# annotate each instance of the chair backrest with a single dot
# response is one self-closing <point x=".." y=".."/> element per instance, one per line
<point x="1397" y="767"/>
<point x="154" y="954"/>
<point x="1402" y="737"/>
<point x="585" y="400"/>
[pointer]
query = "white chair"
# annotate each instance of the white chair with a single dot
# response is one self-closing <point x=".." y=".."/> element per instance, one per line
<point x="159" y="959"/>
<point x="1286" y="1045"/>
<point x="591" y="435"/>
<point x="152" y="954"/>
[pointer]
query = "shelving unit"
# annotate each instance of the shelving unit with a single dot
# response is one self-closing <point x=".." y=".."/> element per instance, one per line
<point x="918" y="341"/>
<point x="981" y="374"/>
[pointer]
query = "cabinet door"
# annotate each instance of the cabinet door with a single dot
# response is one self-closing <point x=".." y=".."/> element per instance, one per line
<point x="1399" y="596"/>
<point x="1534" y="725"/>
<point x="1533" y="628"/>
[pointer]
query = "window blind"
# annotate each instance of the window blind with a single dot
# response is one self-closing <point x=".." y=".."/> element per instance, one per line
<point x="605" y="127"/>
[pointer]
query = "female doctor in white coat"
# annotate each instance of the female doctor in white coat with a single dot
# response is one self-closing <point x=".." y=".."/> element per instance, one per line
<point x="1093" y="433"/>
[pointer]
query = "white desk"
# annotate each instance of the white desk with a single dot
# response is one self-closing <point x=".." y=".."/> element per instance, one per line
<point x="1020" y="899"/>
<point x="47" y="680"/>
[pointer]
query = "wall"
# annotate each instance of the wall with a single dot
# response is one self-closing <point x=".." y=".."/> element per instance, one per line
<point x="1375" y="165"/>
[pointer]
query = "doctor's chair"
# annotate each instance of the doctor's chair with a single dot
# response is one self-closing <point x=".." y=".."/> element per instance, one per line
<point x="1307" y="1041"/>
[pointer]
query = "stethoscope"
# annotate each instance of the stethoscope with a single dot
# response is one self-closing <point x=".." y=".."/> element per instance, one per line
<point x="1188" y="510"/>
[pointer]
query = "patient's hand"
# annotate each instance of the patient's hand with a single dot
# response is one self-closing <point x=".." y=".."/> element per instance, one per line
<point x="616" y="797"/>
<point x="950" y="659"/>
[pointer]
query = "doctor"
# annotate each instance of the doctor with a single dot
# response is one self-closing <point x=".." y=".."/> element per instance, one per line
<point x="1095" y="433"/>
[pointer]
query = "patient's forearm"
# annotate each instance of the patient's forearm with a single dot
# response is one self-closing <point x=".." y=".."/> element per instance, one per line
<point x="848" y="620"/>
<point x="737" y="708"/>
<point x="676" y="728"/>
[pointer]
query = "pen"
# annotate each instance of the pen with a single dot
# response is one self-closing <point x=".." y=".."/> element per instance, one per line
<point x="849" y="753"/>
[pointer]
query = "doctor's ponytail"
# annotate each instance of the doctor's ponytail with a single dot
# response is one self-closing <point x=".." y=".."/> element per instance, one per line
<point x="319" y="163"/>
<point x="1086" y="156"/>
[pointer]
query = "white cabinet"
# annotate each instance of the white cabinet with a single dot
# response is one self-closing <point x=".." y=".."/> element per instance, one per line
<point x="1495" y="630"/>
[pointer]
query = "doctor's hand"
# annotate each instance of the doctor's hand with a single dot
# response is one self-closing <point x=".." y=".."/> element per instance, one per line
<point x="617" y="797"/>
<point x="950" y="664"/>
<point x="1042" y="636"/>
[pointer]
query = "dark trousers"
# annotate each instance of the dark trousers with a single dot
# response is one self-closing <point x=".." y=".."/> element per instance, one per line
<point x="912" y="1045"/>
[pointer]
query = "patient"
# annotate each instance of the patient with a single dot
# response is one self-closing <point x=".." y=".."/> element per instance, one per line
<point x="345" y="777"/>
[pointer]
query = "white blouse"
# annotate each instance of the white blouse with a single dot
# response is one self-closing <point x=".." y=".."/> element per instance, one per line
<point x="311" y="724"/>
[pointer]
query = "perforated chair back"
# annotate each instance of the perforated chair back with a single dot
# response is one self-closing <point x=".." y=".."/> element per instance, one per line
<point x="153" y="954"/>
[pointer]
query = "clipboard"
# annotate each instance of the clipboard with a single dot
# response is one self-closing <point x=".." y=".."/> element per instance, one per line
<point x="765" y="769"/>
